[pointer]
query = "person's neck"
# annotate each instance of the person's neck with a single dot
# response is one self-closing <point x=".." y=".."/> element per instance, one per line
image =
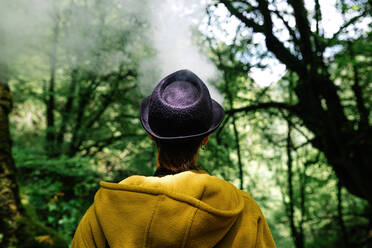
<point x="169" y="167"/>
<point x="161" y="171"/>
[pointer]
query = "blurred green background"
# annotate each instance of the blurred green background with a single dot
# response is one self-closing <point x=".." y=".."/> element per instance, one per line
<point x="300" y="144"/>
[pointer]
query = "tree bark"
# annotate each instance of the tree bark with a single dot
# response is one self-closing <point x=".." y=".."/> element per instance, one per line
<point x="50" y="103"/>
<point x="10" y="205"/>
<point x="296" y="235"/>
<point x="341" y="217"/>
<point x="67" y="111"/>
<point x="297" y="232"/>
<point x="236" y="132"/>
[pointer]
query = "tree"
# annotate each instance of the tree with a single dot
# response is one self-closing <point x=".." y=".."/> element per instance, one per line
<point x="93" y="91"/>
<point x="346" y="143"/>
<point x="16" y="227"/>
<point x="78" y="69"/>
<point x="85" y="75"/>
<point x="9" y="197"/>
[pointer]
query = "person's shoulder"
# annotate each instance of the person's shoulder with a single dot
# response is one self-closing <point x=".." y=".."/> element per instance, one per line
<point x="250" y="203"/>
<point x="246" y="196"/>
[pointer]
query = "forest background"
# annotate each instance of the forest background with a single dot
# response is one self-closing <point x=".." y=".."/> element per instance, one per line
<point x="294" y="78"/>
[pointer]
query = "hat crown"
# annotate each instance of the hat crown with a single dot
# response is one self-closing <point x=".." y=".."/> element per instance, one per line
<point x="180" y="105"/>
<point x="180" y="93"/>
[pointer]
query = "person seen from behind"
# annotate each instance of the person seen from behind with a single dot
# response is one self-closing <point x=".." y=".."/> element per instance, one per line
<point x="181" y="205"/>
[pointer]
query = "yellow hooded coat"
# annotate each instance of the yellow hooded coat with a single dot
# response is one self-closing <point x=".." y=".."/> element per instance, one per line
<point x="189" y="209"/>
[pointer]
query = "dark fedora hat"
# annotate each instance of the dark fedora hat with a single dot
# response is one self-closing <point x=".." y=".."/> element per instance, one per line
<point x="180" y="107"/>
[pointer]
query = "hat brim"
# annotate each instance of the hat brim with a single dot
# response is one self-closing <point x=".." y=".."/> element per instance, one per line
<point x="217" y="113"/>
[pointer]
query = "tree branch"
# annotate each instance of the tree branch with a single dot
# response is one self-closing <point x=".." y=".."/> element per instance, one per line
<point x="351" y="21"/>
<point x="286" y="24"/>
<point x="272" y="42"/>
<point x="276" y="46"/>
<point x="303" y="27"/>
<point x="265" y="105"/>
<point x="248" y="22"/>
<point x="100" y="144"/>
<point x="318" y="16"/>
<point x="105" y="103"/>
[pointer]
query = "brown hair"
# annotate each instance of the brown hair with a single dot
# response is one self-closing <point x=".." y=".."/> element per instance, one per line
<point x="178" y="155"/>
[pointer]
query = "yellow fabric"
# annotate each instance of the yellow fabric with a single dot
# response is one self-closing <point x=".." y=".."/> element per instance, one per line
<point x="189" y="209"/>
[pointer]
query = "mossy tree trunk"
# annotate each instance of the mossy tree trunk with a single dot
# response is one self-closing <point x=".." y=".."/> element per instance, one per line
<point x="16" y="228"/>
<point x="10" y="206"/>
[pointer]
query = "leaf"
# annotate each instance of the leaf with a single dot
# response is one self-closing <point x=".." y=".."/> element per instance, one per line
<point x="47" y="239"/>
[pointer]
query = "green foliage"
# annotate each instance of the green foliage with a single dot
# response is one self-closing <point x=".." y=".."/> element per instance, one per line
<point x="35" y="234"/>
<point x="102" y="138"/>
<point x="58" y="191"/>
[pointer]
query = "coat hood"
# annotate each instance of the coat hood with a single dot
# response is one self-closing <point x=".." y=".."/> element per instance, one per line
<point x="188" y="209"/>
<point x="164" y="211"/>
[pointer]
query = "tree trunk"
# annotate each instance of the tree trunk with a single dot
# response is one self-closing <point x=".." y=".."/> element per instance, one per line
<point x="236" y="133"/>
<point x="16" y="228"/>
<point x="341" y="217"/>
<point x="296" y="234"/>
<point x="237" y="144"/>
<point x="347" y="150"/>
<point x="66" y="113"/>
<point x="10" y="205"/>
<point x="50" y="103"/>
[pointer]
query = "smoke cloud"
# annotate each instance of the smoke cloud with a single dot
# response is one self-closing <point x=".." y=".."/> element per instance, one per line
<point x="22" y="25"/>
<point x="27" y="26"/>
<point x="171" y="24"/>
